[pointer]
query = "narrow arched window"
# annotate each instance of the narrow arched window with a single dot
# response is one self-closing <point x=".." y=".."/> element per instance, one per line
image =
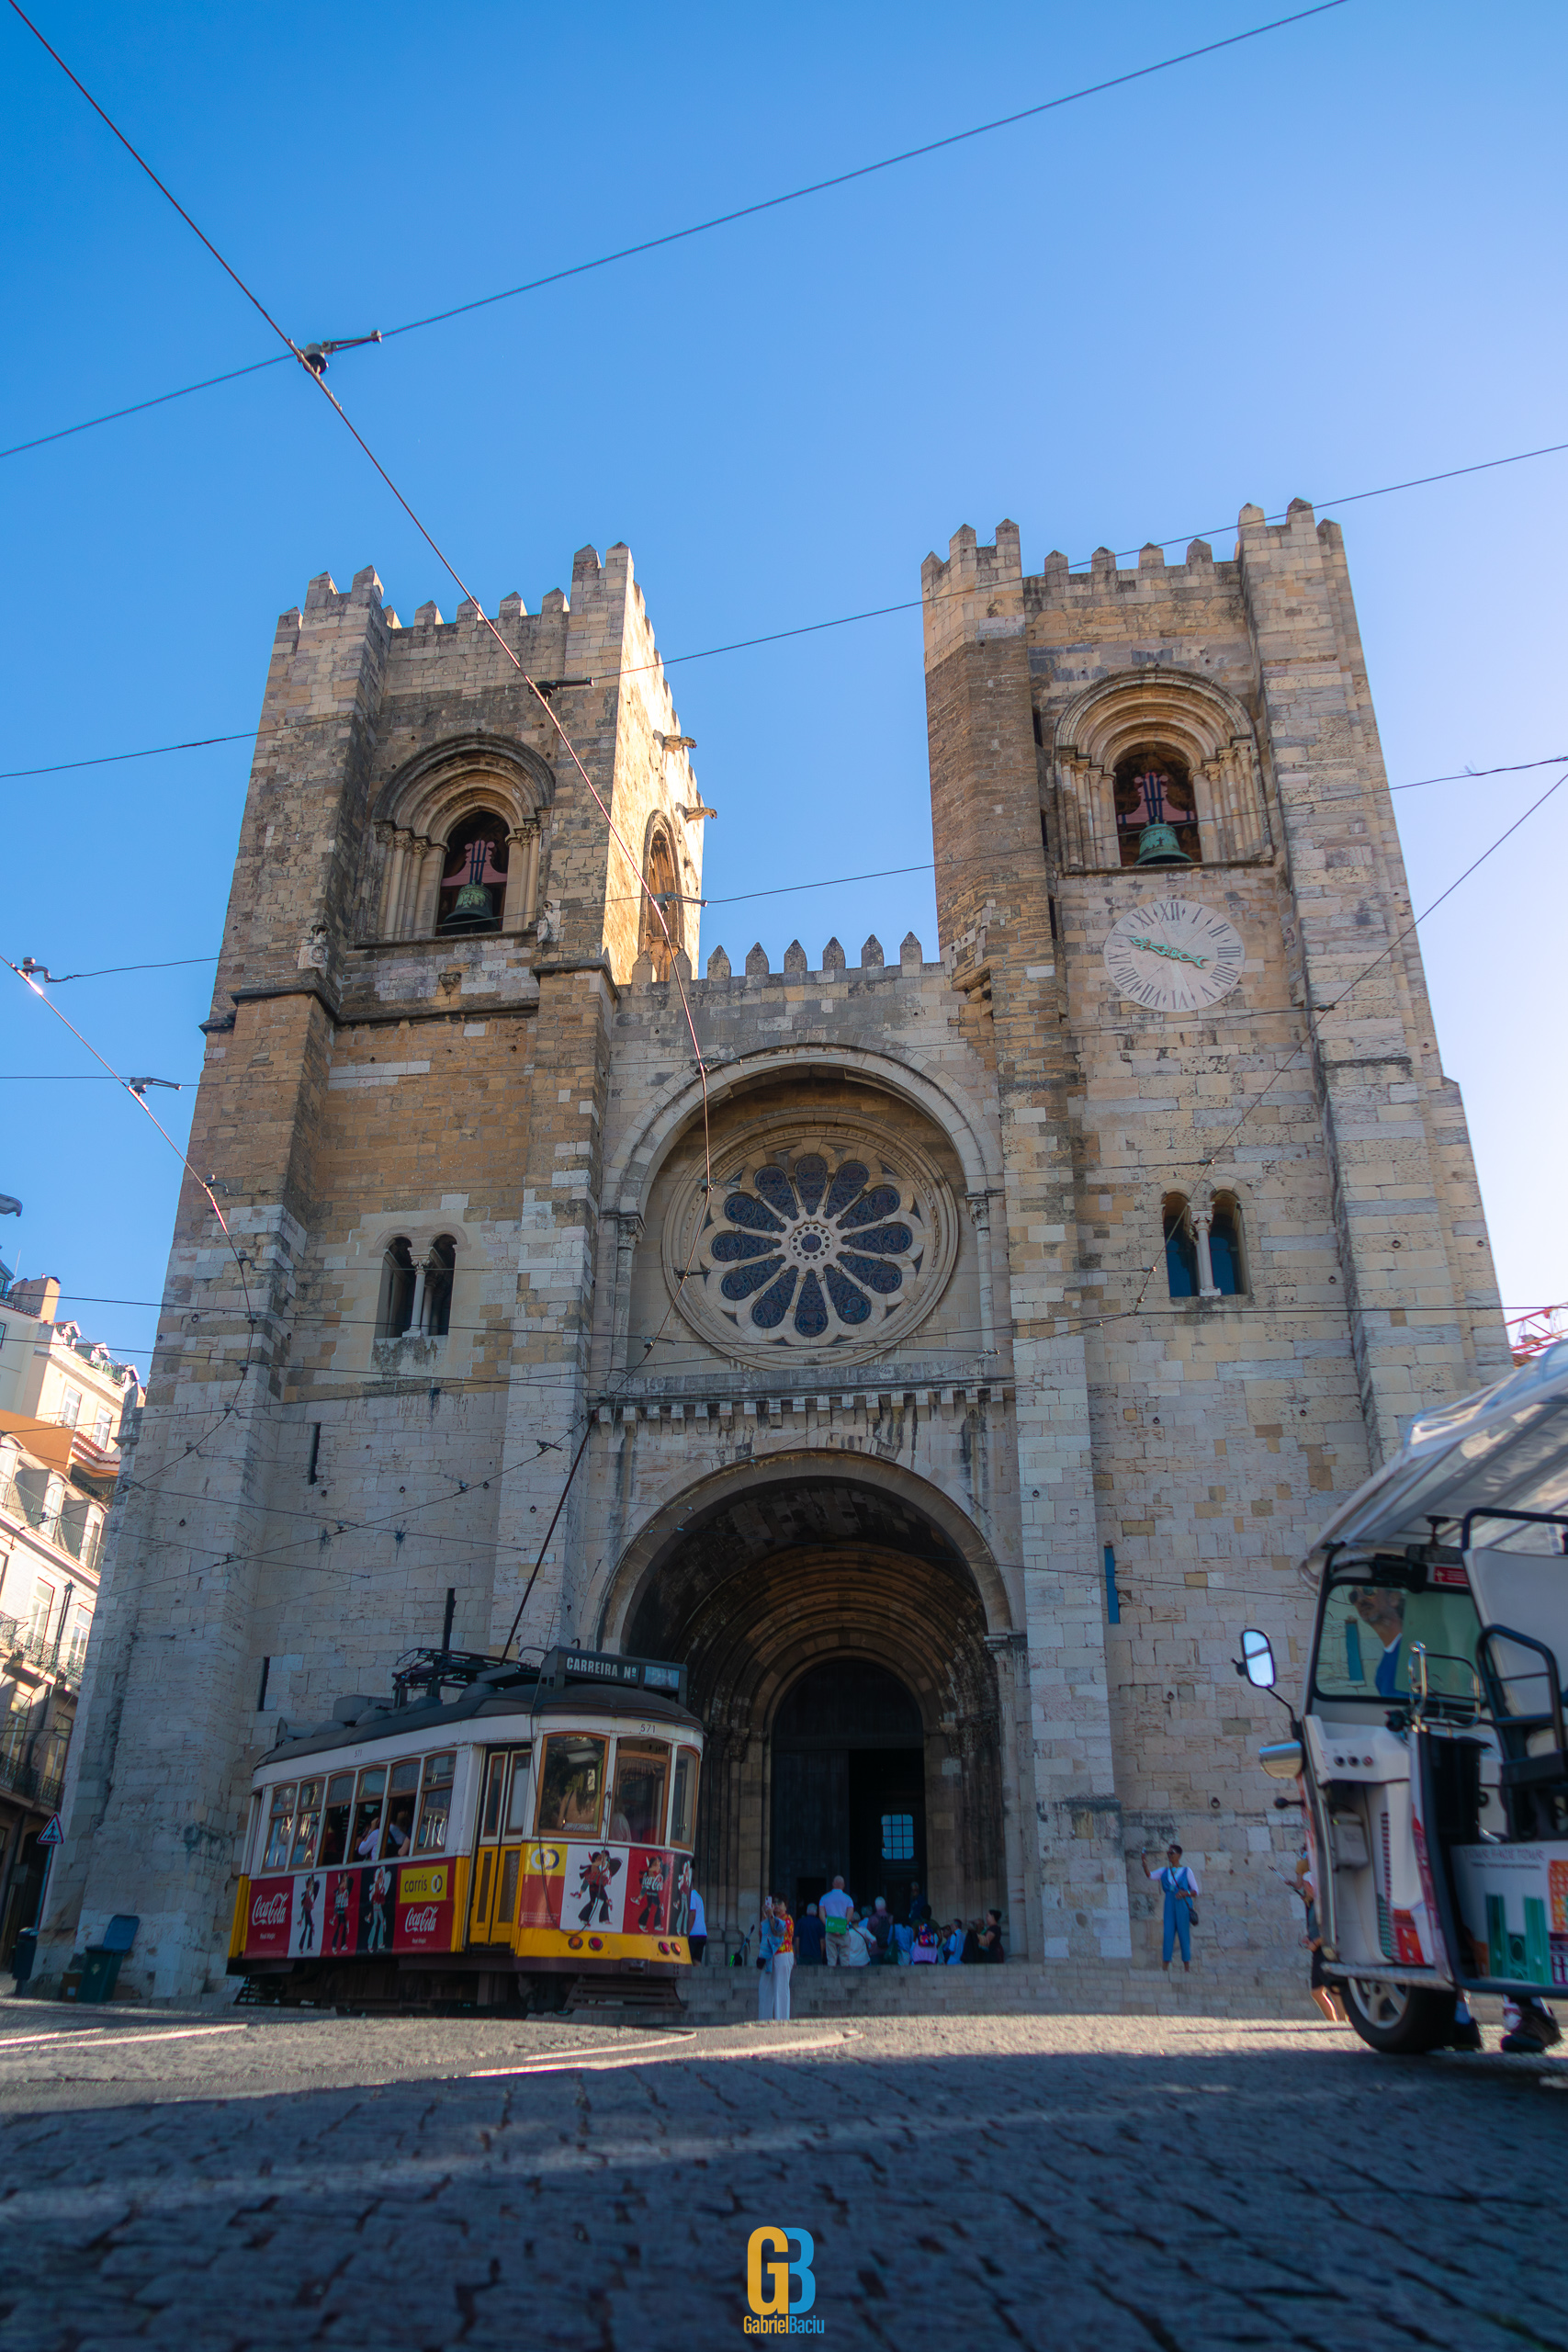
<point x="473" y="878"/>
<point x="1180" y="1247"/>
<point x="394" y="1310"/>
<point x="436" y="1318"/>
<point x="663" y="879"/>
<point x="1156" y="810"/>
<point x="1224" y="1247"/>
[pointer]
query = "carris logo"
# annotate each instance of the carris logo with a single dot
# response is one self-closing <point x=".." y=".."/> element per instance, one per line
<point x="420" y="1923"/>
<point x="270" y="1911"/>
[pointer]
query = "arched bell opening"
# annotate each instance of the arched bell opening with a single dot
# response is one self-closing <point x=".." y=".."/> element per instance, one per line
<point x="838" y="1654"/>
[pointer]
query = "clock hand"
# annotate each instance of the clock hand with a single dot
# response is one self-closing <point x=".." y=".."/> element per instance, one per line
<point x="1173" y="955"/>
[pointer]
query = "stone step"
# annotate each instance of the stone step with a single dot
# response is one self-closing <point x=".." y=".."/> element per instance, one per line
<point x="1239" y="1989"/>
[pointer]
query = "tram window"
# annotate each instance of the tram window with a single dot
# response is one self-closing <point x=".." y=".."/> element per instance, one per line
<point x="684" y="1813"/>
<point x="279" y="1829"/>
<point x="517" y="1802"/>
<point x="495" y="1783"/>
<point x="368" y="1813"/>
<point x="573" y="1785"/>
<point x="401" y="1798"/>
<point x="334" y="1831"/>
<point x="642" y="1771"/>
<point x="436" y="1803"/>
<point x="307" y="1821"/>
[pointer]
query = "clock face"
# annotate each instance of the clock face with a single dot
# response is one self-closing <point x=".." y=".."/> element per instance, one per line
<point x="1174" y="957"/>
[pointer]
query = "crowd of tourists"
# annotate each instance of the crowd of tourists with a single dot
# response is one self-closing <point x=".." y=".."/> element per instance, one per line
<point x="832" y="1933"/>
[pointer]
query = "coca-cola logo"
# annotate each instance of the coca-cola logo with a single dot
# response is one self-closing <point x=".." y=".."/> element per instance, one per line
<point x="420" y="1923"/>
<point x="270" y="1910"/>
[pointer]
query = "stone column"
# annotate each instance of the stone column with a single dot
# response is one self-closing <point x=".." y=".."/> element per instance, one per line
<point x="424" y="885"/>
<point x="522" y="875"/>
<point x="396" y="926"/>
<point x="392" y="875"/>
<point x="628" y="1233"/>
<point x="1207" y="1286"/>
<point x="1010" y="1655"/>
<point x="979" y="1207"/>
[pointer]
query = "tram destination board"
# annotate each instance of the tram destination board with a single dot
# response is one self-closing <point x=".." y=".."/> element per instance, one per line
<point x="607" y="1668"/>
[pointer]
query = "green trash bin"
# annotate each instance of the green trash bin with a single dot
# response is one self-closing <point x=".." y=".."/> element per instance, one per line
<point x="100" y="1971"/>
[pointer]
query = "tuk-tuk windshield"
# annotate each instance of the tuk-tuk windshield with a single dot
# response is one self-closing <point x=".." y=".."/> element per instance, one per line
<point x="1369" y="1629"/>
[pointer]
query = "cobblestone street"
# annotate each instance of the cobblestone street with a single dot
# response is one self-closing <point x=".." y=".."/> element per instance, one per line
<point x="202" y="2180"/>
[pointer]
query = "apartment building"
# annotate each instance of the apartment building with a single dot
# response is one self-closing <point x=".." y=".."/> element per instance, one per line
<point x="62" y="1401"/>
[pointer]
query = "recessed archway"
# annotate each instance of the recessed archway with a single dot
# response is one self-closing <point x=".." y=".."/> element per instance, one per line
<point x="781" y="1571"/>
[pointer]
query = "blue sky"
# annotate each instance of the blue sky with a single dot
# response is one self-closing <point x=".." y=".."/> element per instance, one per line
<point x="1323" y="261"/>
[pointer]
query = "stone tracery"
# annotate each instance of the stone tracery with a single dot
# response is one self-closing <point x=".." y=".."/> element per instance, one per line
<point x="821" y="1246"/>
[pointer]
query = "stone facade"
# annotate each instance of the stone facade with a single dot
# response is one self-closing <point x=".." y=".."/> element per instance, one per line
<point x="967" y="1435"/>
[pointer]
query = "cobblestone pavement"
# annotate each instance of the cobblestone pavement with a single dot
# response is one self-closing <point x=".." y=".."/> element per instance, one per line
<point x="209" y="2179"/>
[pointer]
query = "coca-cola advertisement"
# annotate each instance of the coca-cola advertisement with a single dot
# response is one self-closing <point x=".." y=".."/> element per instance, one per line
<point x="422" y="1915"/>
<point x="543" y="1886"/>
<point x="309" y="1916"/>
<point x="340" y="1914"/>
<point x="270" y="1916"/>
<point x="596" y="1891"/>
<point x="649" y="1885"/>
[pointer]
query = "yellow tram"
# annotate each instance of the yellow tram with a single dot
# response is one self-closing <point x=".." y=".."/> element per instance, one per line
<point x="513" y="1842"/>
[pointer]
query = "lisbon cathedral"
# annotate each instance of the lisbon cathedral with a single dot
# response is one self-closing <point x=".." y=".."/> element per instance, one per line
<point x="940" y="1351"/>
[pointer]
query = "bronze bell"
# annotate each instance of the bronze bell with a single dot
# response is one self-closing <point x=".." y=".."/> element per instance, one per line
<point x="1157" y="845"/>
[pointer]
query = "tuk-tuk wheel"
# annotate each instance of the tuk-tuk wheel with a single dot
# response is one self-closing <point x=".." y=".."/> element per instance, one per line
<point x="1403" y="2021"/>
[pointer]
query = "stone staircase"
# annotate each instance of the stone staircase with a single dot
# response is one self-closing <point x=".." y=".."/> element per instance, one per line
<point x="1249" y="1985"/>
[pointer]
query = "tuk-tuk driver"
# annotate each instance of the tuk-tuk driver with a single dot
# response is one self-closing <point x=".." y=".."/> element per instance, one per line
<point x="1382" y="1606"/>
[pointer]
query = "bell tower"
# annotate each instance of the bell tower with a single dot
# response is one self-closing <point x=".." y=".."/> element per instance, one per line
<point x="1241" y="1214"/>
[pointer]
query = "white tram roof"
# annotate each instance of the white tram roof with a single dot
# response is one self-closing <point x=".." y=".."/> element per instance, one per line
<point x="1504" y="1448"/>
<point x="434" y="1725"/>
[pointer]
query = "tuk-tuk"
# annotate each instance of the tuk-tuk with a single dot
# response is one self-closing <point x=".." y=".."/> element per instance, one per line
<point x="1428" y="1743"/>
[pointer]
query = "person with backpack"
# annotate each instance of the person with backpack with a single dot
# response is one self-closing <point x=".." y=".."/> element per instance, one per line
<point x="834" y="1910"/>
<point x="809" y="1938"/>
<point x="927" y="1949"/>
<point x="1180" y="1886"/>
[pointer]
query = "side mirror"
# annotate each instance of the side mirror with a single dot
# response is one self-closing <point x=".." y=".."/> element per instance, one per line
<point x="1256" y="1660"/>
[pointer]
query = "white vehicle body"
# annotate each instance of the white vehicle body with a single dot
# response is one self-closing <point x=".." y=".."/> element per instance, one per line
<point x="1430" y="1745"/>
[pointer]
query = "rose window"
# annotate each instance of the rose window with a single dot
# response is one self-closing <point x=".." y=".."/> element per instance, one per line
<point x="813" y="1248"/>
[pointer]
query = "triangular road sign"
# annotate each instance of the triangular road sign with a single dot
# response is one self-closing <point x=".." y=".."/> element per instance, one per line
<point x="52" y="1833"/>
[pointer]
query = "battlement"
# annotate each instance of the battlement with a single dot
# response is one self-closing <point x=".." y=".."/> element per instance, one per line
<point x="872" y="966"/>
<point x="980" y="591"/>
<point x="593" y="581"/>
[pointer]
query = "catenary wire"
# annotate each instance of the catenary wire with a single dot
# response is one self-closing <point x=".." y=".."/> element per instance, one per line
<point x="320" y="381"/>
<point x="1322" y="1013"/>
<point x="678" y="236"/>
<point x="1312" y="1020"/>
<point x="201" y="1181"/>
<point x="553" y="716"/>
<point x="879" y="873"/>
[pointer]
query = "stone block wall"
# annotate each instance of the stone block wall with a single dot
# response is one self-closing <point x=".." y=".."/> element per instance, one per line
<point x="1047" y="1497"/>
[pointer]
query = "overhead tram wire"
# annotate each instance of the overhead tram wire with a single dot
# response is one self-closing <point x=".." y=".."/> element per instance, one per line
<point x="1312" y="1019"/>
<point x="675" y="236"/>
<point x="186" y="1162"/>
<point x="1322" y="1012"/>
<point x="571" y="750"/>
<point x="842" y="881"/>
<point x="318" y="379"/>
